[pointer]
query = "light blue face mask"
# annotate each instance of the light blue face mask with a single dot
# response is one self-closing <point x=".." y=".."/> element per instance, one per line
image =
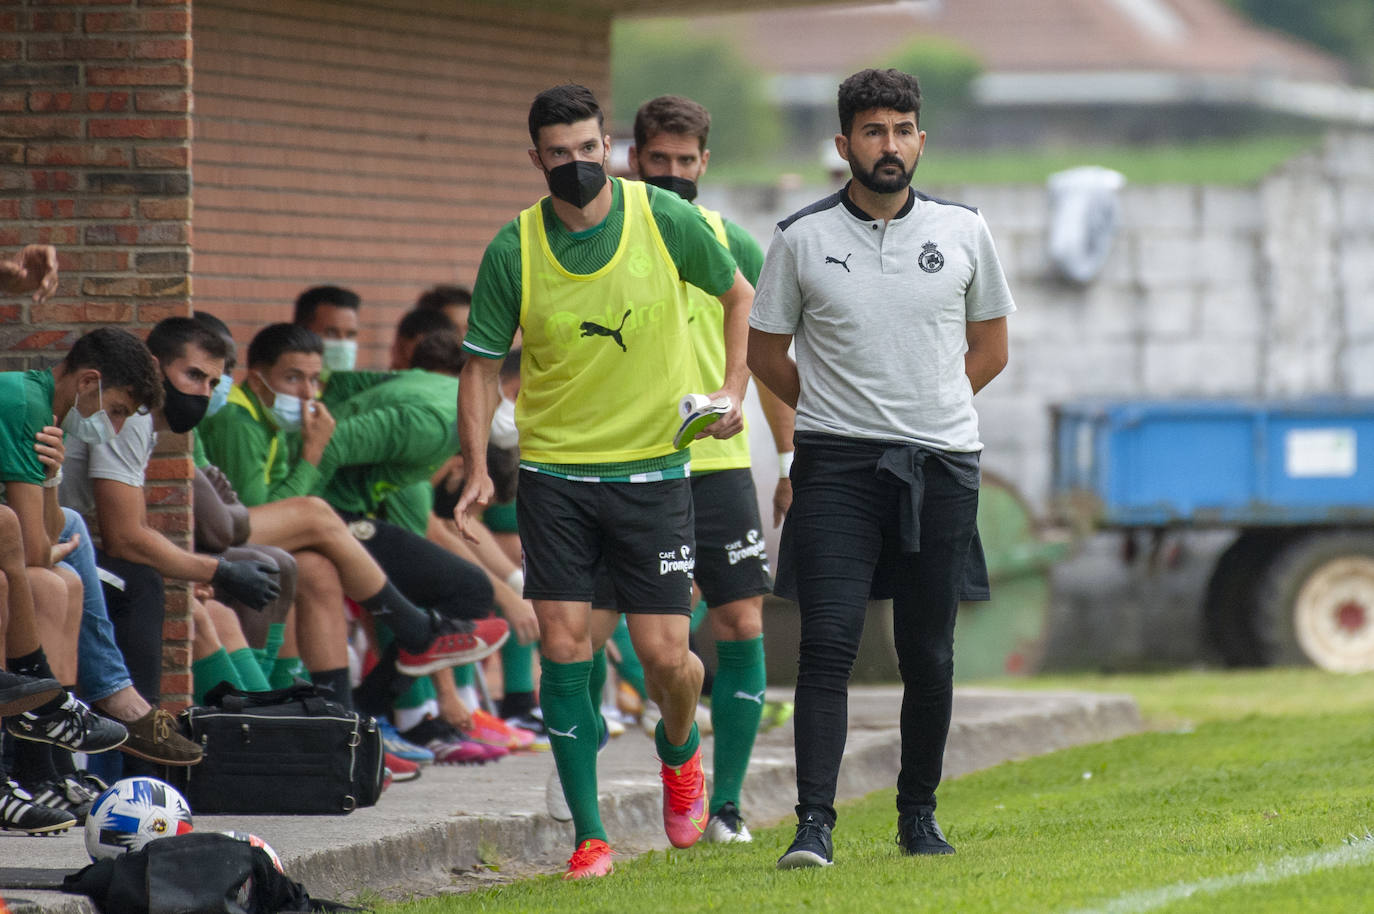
<point x="219" y="397"/>
<point x="340" y="355"/>
<point x="93" y="429"/>
<point x="286" y="408"/>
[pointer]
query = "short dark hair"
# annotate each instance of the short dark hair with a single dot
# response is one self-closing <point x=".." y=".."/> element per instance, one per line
<point x="441" y="296"/>
<point x="275" y="340"/>
<point x="419" y="322"/>
<point x="672" y="114"/>
<point x="310" y="300"/>
<point x="169" y="338"/>
<point x="878" y="89"/>
<point x="440" y="351"/>
<point x="566" y="104"/>
<point x="123" y="362"/>
<point x="208" y="320"/>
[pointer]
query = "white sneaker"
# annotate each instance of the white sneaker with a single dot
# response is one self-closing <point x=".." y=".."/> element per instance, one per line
<point x="727" y="827"/>
<point x="557" y="804"/>
<point x="614" y="725"/>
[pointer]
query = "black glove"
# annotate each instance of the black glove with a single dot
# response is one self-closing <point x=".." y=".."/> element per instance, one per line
<point x="251" y="583"/>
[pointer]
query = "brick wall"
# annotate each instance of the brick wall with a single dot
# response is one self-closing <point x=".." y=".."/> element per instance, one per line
<point x="95" y="134"/>
<point x="375" y="146"/>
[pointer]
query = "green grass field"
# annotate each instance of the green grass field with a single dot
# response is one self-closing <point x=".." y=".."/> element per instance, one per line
<point x="1251" y="795"/>
<point x="1237" y="162"/>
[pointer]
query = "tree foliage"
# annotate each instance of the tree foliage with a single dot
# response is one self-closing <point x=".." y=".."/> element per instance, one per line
<point x="946" y="71"/>
<point x="1343" y="27"/>
<point x="663" y="57"/>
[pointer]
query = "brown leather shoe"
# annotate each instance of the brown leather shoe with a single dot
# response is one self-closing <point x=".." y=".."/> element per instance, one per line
<point x="154" y="737"/>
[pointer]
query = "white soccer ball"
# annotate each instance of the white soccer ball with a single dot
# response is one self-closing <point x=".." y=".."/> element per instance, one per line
<point x="132" y="812"/>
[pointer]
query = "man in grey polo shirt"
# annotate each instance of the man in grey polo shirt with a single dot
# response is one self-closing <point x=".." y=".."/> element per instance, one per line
<point x="898" y="306"/>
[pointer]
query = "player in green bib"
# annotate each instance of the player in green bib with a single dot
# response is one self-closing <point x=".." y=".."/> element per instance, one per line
<point x="593" y="276"/>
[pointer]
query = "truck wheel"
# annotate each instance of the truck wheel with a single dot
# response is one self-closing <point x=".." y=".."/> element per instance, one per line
<point x="1316" y="603"/>
<point x="1229" y="615"/>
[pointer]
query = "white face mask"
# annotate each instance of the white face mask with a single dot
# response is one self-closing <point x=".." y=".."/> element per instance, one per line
<point x="340" y="355"/>
<point x="286" y="408"/>
<point x="93" y="429"/>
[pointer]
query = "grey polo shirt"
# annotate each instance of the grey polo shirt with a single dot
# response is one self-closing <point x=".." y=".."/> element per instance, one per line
<point x="879" y="312"/>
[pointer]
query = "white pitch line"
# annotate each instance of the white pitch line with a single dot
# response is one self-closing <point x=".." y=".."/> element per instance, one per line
<point x="1356" y="850"/>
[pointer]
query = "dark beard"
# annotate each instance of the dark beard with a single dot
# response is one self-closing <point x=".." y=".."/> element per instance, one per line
<point x="883" y="185"/>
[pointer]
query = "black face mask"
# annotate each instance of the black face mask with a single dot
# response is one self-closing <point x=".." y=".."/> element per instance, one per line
<point x="684" y="188"/>
<point x="577" y="183"/>
<point x="182" y="411"/>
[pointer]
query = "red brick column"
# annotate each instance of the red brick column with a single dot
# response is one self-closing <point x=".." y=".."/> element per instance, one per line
<point x="95" y="158"/>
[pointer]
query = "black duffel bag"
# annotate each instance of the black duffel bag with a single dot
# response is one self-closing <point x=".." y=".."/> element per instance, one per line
<point x="289" y="752"/>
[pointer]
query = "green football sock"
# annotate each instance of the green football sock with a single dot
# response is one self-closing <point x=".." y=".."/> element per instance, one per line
<point x="629" y="669"/>
<point x="285" y="671"/>
<point x="517" y="666"/>
<point x="421" y="690"/>
<point x="572" y="724"/>
<point x="596" y="683"/>
<point x="671" y="755"/>
<point x="699" y="613"/>
<point x="250" y="674"/>
<point x="462" y="675"/>
<point x="736" y="707"/>
<point x="267" y="658"/>
<point x="208" y="672"/>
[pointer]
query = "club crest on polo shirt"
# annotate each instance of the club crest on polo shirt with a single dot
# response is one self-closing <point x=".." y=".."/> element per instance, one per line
<point x="675" y="560"/>
<point x="931" y="260"/>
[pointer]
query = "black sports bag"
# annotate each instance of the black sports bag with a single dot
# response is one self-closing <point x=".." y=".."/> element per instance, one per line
<point x="285" y="752"/>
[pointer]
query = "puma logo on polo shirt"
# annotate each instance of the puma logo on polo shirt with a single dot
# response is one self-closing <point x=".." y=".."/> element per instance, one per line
<point x="844" y="263"/>
<point x="592" y="328"/>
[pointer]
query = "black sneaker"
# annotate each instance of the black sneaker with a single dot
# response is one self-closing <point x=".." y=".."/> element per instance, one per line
<point x="18" y="812"/>
<point x="811" y="847"/>
<point x="22" y="693"/>
<point x="73" y="726"/>
<point x="66" y="793"/>
<point x="919" y="833"/>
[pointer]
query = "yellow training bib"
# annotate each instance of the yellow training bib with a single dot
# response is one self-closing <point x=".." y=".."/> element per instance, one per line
<point x="707" y="323"/>
<point x="606" y="355"/>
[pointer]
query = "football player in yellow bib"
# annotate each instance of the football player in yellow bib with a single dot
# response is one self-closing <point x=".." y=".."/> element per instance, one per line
<point x="594" y="276"/>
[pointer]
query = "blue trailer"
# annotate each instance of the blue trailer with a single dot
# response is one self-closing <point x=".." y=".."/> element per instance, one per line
<point x="1295" y="478"/>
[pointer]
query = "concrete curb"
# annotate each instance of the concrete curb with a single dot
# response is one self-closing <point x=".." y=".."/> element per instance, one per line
<point x="446" y="831"/>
